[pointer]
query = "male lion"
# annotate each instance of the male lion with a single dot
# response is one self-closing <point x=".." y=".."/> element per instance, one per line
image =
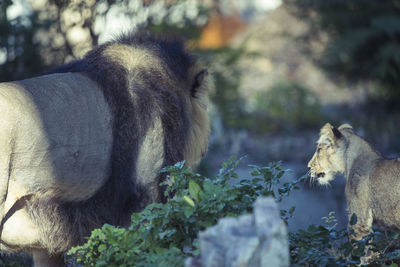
<point x="373" y="182"/>
<point x="81" y="147"/>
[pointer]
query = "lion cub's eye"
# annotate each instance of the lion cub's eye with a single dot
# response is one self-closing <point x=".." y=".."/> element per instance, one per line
<point x="318" y="150"/>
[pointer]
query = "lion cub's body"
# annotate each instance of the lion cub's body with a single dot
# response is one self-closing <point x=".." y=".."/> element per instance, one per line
<point x="373" y="182"/>
<point x="385" y="193"/>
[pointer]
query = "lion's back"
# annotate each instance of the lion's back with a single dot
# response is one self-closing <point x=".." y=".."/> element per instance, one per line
<point x="61" y="135"/>
<point x="385" y="192"/>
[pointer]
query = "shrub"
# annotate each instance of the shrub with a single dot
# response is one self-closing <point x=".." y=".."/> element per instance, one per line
<point x="165" y="234"/>
<point x="329" y="246"/>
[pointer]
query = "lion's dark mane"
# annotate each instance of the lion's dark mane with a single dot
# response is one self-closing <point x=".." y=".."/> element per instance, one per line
<point x="120" y="196"/>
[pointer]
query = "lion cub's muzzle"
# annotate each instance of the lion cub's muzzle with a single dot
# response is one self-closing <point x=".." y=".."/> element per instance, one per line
<point x="315" y="175"/>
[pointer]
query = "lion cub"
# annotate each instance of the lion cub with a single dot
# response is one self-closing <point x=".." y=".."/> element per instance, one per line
<point x="373" y="182"/>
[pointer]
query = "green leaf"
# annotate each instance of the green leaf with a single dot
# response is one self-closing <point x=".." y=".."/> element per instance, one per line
<point x="188" y="200"/>
<point x="188" y="211"/>
<point x="194" y="190"/>
<point x="102" y="248"/>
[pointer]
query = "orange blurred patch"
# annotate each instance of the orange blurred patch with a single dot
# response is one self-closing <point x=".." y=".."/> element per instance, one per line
<point x="220" y="30"/>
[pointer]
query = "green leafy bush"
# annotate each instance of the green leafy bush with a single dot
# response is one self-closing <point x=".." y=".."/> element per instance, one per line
<point x="165" y="234"/>
<point x="329" y="246"/>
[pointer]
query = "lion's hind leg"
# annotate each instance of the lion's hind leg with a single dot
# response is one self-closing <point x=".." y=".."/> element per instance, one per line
<point x="361" y="229"/>
<point x="42" y="259"/>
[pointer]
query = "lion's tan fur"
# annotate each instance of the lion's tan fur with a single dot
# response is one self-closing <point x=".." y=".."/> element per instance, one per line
<point x="130" y="57"/>
<point x="200" y="126"/>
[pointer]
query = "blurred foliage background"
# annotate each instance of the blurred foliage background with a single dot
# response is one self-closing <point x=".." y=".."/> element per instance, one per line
<point x="363" y="39"/>
<point x="278" y="66"/>
<point x="282" y="68"/>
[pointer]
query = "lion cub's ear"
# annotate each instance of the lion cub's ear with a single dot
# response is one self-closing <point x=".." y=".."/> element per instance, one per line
<point x="346" y="127"/>
<point x="329" y="135"/>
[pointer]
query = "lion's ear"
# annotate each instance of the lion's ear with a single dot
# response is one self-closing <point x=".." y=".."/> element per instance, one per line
<point x="198" y="81"/>
<point x="326" y="131"/>
<point x="329" y="134"/>
<point x="345" y="127"/>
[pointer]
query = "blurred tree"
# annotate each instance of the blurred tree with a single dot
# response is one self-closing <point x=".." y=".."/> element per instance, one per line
<point x="37" y="39"/>
<point x="289" y="106"/>
<point x="18" y="51"/>
<point x="53" y="32"/>
<point x="364" y="38"/>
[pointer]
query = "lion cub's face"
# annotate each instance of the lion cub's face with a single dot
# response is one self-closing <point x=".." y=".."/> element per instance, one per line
<point x="328" y="159"/>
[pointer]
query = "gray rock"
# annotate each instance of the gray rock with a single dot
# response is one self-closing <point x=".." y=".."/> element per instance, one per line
<point x="258" y="239"/>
